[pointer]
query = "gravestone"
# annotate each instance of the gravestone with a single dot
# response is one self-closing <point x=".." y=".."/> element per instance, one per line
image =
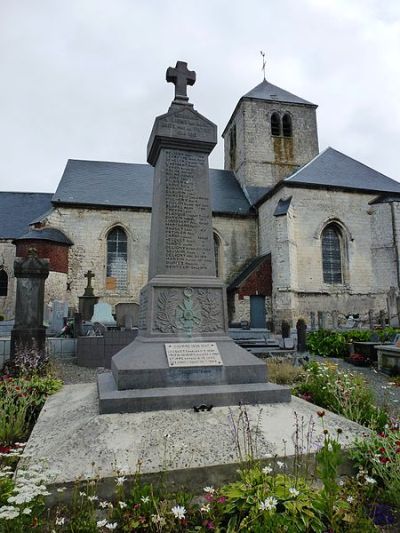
<point x="28" y="331"/>
<point x="102" y="313"/>
<point x="127" y="315"/>
<point x="321" y="320"/>
<point x="301" y="328"/>
<point x="312" y="320"/>
<point x="183" y="354"/>
<point x="88" y="300"/>
<point x="59" y="312"/>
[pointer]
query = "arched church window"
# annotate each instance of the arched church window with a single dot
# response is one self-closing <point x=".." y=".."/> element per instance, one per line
<point x="217" y="254"/>
<point x="275" y="124"/>
<point x="3" y="283"/>
<point x="287" y="125"/>
<point x="332" y="254"/>
<point x="117" y="258"/>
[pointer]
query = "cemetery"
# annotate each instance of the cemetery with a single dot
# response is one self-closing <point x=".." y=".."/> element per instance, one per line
<point x="189" y="421"/>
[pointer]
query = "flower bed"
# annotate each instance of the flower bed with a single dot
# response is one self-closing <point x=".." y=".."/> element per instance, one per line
<point x="264" y="498"/>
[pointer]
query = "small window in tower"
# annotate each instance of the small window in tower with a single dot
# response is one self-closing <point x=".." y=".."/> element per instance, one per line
<point x="3" y="283"/>
<point x="275" y="124"/>
<point x="232" y="147"/>
<point x="287" y="125"/>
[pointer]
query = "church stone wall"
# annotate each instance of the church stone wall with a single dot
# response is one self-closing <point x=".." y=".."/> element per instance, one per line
<point x="88" y="229"/>
<point x="262" y="159"/>
<point x="295" y="245"/>
<point x="238" y="236"/>
<point x="7" y="257"/>
<point x="383" y="245"/>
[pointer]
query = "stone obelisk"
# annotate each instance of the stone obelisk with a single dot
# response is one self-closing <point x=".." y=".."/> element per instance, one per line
<point x="183" y="356"/>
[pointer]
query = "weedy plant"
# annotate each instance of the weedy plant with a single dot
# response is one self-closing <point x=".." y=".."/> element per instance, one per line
<point x="342" y="392"/>
<point x="283" y="372"/>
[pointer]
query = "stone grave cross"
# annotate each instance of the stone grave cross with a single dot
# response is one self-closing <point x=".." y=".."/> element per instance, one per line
<point x="89" y="289"/>
<point x="181" y="77"/>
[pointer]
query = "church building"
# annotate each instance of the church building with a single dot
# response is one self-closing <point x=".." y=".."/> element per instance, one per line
<point x="297" y="232"/>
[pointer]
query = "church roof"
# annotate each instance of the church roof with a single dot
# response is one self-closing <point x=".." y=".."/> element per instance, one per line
<point x="333" y="169"/>
<point x="268" y="91"/>
<point x="101" y="183"/>
<point x="18" y="209"/>
<point x="46" y="234"/>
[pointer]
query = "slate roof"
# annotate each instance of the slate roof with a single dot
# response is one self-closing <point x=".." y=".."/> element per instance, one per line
<point x="101" y="183"/>
<point x="18" y="209"/>
<point x="255" y="193"/>
<point x="46" y="234"/>
<point x="282" y="207"/>
<point x="333" y="169"/>
<point x="385" y="199"/>
<point x="268" y="91"/>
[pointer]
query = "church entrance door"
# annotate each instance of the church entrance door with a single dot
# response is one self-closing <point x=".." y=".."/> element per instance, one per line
<point x="257" y="311"/>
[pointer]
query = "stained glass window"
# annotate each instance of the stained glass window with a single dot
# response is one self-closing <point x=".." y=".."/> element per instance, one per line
<point x="331" y="255"/>
<point x="117" y="257"/>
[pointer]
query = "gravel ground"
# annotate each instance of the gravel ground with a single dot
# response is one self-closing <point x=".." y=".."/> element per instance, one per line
<point x="385" y="392"/>
<point x="67" y="370"/>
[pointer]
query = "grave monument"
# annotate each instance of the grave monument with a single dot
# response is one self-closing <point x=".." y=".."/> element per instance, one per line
<point x="183" y="356"/>
<point x="31" y="273"/>
<point x="88" y="300"/>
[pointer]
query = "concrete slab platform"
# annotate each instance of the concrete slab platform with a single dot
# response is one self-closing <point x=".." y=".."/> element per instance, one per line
<point x="74" y="442"/>
<point x="112" y="400"/>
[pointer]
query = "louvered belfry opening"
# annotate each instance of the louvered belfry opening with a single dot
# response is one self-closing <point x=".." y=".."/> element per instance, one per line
<point x="332" y="255"/>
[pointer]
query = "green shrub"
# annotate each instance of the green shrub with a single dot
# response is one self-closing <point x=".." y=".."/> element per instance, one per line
<point x="343" y="393"/>
<point x="328" y="343"/>
<point x="20" y="403"/>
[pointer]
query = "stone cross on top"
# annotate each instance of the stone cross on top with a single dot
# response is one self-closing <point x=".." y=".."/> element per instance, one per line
<point x="89" y="289"/>
<point x="181" y="77"/>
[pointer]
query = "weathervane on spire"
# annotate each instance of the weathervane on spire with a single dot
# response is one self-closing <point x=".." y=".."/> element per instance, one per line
<point x="264" y="62"/>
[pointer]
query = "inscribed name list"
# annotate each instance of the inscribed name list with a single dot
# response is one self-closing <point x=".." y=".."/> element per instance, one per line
<point x="193" y="354"/>
<point x="188" y="231"/>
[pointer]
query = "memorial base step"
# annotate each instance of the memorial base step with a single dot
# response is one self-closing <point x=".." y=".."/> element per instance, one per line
<point x="112" y="400"/>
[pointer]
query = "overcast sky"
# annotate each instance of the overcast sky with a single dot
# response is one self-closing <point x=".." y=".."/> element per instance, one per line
<point x="85" y="79"/>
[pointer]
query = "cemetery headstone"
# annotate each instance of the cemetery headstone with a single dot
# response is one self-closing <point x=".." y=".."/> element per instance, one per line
<point x="312" y="320"/>
<point x="103" y="314"/>
<point x="127" y="315"/>
<point x="301" y="327"/>
<point x="58" y="315"/>
<point x="28" y="331"/>
<point x="183" y="354"/>
<point x="321" y="320"/>
<point x="88" y="300"/>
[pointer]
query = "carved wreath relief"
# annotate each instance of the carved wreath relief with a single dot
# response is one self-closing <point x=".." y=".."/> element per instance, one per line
<point x="190" y="311"/>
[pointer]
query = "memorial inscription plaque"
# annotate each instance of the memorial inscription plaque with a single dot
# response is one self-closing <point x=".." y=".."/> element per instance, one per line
<point x="185" y="354"/>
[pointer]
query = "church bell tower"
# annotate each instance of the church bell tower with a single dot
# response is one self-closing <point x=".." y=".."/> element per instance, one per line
<point x="270" y="134"/>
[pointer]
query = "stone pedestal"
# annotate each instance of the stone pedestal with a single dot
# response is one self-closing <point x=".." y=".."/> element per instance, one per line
<point x="183" y="356"/>
<point x="86" y="306"/>
<point x="31" y="273"/>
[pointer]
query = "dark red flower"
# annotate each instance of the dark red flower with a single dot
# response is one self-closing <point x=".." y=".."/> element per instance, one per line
<point x="384" y="460"/>
<point x="209" y="497"/>
<point x="221" y="499"/>
<point x="321" y="414"/>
